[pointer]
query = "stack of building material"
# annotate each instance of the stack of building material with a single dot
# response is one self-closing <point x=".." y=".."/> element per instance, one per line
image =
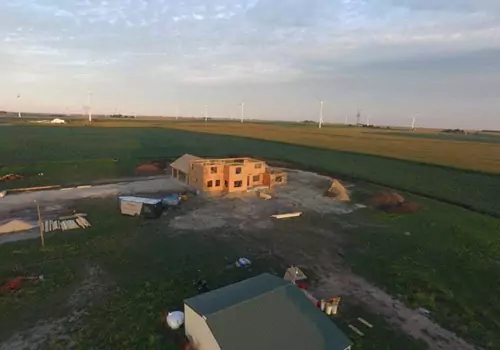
<point x="82" y="222"/>
<point x="66" y="223"/>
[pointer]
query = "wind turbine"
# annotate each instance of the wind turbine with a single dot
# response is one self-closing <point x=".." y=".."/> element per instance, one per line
<point x="345" y="120"/>
<point x="19" y="106"/>
<point x="90" y="108"/>
<point x="242" y="111"/>
<point x="206" y="113"/>
<point x="413" y="123"/>
<point x="321" y="102"/>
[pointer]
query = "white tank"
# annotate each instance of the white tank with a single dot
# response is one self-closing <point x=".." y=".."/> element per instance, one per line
<point x="175" y="319"/>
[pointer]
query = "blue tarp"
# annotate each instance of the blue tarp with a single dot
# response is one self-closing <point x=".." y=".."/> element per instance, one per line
<point x="173" y="199"/>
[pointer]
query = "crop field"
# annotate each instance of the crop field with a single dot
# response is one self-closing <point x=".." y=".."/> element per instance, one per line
<point x="448" y="262"/>
<point x="488" y="138"/>
<point x="478" y="155"/>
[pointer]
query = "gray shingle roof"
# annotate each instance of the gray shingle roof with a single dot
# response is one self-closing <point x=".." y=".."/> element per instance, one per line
<point x="267" y="313"/>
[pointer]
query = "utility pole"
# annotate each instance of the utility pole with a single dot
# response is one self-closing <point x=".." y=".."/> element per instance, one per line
<point x="40" y="225"/>
<point x="358" y="118"/>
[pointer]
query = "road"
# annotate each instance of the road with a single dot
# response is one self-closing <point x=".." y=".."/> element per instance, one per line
<point x="147" y="185"/>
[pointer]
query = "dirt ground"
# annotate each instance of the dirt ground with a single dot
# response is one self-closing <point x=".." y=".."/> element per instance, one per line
<point x="312" y="241"/>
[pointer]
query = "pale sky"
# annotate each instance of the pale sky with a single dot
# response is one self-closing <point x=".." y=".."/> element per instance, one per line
<point x="393" y="59"/>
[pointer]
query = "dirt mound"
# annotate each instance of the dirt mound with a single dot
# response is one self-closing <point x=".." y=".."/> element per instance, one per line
<point x="150" y="168"/>
<point x="393" y="202"/>
<point x="338" y="191"/>
<point x="10" y="177"/>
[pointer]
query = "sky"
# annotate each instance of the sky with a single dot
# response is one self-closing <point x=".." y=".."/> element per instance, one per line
<point x="436" y="60"/>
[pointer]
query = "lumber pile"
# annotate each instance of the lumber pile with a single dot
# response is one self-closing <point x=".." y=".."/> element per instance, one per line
<point x="66" y="223"/>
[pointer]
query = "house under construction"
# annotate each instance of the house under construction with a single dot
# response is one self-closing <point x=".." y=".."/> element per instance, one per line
<point x="225" y="175"/>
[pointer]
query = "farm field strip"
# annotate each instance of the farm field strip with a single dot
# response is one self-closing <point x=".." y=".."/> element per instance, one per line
<point x="478" y="156"/>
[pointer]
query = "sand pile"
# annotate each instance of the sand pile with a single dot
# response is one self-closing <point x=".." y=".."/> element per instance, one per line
<point x="338" y="191"/>
<point x="15" y="226"/>
<point x="150" y="168"/>
<point x="393" y="202"/>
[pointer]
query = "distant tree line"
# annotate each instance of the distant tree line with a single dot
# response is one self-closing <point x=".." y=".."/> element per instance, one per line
<point x="121" y="116"/>
<point x="454" y="131"/>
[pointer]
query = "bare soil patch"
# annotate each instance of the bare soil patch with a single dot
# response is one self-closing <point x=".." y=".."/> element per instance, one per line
<point x="304" y="193"/>
<point x="151" y="168"/>
<point x="393" y="202"/>
<point x="10" y="177"/>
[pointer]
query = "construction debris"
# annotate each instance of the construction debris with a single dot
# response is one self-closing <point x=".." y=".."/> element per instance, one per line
<point x="17" y="283"/>
<point x="286" y="216"/>
<point x="243" y="262"/>
<point x="264" y="195"/>
<point x="356" y="330"/>
<point x="424" y="311"/>
<point x="365" y="322"/>
<point x="294" y="274"/>
<point x="74" y="216"/>
<point x="338" y="191"/>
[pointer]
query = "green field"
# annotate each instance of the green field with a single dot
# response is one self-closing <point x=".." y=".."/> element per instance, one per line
<point x="488" y="138"/>
<point x="68" y="155"/>
<point x="145" y="270"/>
<point x="448" y="264"/>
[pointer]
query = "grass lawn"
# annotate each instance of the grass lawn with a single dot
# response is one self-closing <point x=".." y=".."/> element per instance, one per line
<point x="444" y="259"/>
<point x="146" y="269"/>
